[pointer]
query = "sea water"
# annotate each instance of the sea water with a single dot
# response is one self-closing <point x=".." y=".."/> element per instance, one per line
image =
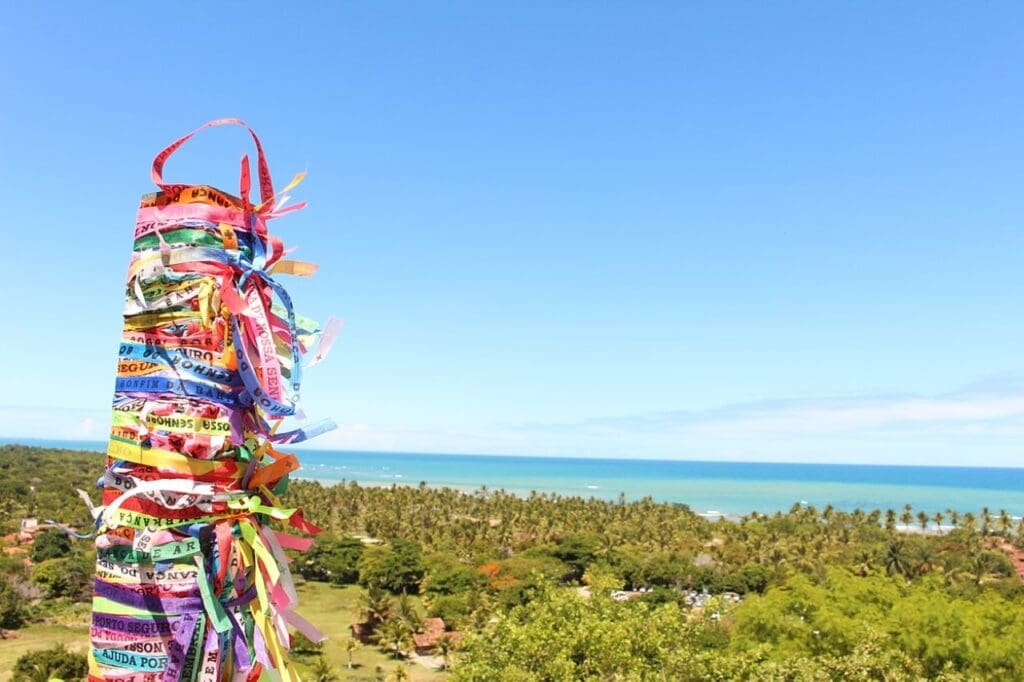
<point x="728" y="488"/>
<point x="713" y="488"/>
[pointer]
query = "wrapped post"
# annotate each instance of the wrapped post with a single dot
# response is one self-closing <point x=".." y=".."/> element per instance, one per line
<point x="192" y="582"/>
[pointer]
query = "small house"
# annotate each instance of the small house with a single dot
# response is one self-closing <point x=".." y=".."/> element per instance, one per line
<point x="433" y="630"/>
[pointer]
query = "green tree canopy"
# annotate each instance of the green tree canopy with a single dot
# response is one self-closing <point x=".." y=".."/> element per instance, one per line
<point x="50" y="544"/>
<point x="69" y="577"/>
<point x="334" y="560"/>
<point x="398" y="568"/>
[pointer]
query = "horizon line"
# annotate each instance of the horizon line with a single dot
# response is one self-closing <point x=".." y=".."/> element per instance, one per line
<point x="36" y="442"/>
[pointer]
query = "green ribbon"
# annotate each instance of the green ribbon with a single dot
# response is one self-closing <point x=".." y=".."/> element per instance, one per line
<point x="214" y="609"/>
<point x="174" y="550"/>
<point x="184" y="235"/>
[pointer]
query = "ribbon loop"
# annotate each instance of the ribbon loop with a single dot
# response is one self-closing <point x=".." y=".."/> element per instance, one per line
<point x="266" y="184"/>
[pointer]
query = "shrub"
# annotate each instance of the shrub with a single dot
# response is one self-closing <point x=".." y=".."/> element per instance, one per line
<point x="50" y="544"/>
<point x="12" y="607"/>
<point x="69" y="577"/>
<point x="46" y="664"/>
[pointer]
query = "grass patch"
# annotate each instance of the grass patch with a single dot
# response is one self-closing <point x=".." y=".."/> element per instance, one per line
<point x="20" y="642"/>
<point x="332" y="609"/>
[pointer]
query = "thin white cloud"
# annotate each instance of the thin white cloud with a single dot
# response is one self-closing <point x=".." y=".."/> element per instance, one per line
<point x="841" y="416"/>
<point x="53" y="423"/>
<point x="89" y="429"/>
<point x="996" y="403"/>
<point x="980" y="424"/>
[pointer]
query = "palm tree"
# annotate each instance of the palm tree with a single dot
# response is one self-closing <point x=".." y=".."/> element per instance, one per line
<point x="607" y="543"/>
<point x="350" y="645"/>
<point x="968" y="523"/>
<point x="986" y="521"/>
<point x="395" y="636"/>
<point x="445" y="647"/>
<point x="896" y="559"/>
<point x="864" y="563"/>
<point x="924" y="558"/>
<point x="907" y="516"/>
<point x="374" y="605"/>
<point x="938" y="518"/>
<point x="982" y="568"/>
<point x="1005" y="523"/>
<point x="954" y="517"/>
<point x="399" y="674"/>
<point x="890" y="520"/>
<point x="406" y="612"/>
<point x="922" y="520"/>
<point x="321" y="671"/>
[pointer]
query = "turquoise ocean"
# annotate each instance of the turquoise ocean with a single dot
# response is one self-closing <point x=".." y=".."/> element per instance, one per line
<point x="713" y="488"/>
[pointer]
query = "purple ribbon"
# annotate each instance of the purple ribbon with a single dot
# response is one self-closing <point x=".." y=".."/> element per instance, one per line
<point x="178" y="648"/>
<point x="150" y="602"/>
<point x="158" y="625"/>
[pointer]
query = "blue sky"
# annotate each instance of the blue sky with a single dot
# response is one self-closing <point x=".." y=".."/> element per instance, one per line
<point x="727" y="231"/>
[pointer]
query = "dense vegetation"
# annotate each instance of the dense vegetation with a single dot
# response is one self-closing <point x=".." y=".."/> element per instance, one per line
<point x="826" y="594"/>
<point x="41" y="482"/>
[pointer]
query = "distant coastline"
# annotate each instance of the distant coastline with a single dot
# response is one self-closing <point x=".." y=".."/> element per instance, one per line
<point x="101" y="446"/>
<point x="712" y="489"/>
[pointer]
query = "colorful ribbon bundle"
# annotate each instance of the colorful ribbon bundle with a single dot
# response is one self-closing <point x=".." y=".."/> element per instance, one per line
<point x="192" y="582"/>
